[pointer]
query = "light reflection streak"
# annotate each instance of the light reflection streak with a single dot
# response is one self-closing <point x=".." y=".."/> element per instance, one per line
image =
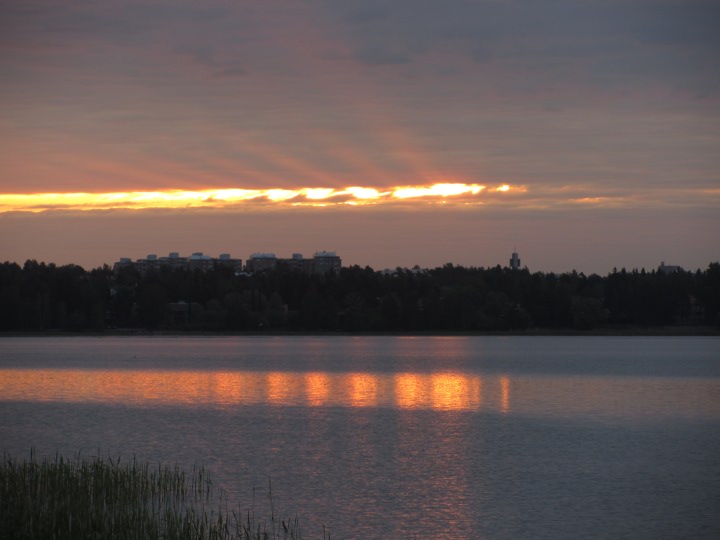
<point x="232" y="197"/>
<point x="409" y="390"/>
<point x="505" y="394"/>
<point x="362" y="389"/>
<point x="438" y="391"/>
<point x="454" y="391"/>
<point x="279" y="391"/>
<point x="229" y="387"/>
<point x="318" y="389"/>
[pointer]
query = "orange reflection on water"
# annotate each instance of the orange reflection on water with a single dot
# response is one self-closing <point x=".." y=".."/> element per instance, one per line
<point x="228" y="387"/>
<point x="442" y="391"/>
<point x="246" y="386"/>
<point x="279" y="387"/>
<point x="436" y="391"/>
<point x="504" y="394"/>
<point x="410" y="390"/>
<point x="317" y="387"/>
<point x="362" y="389"/>
<point x="131" y="387"/>
<point x="455" y="391"/>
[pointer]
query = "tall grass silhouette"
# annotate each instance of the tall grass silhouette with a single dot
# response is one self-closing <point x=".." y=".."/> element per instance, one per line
<point x="90" y="498"/>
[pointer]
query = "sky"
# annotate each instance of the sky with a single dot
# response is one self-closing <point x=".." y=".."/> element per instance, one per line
<point x="584" y="134"/>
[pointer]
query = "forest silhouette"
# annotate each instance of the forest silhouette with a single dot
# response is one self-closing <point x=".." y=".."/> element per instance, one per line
<point x="41" y="297"/>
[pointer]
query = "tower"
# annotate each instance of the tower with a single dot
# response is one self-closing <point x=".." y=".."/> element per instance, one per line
<point x="515" y="260"/>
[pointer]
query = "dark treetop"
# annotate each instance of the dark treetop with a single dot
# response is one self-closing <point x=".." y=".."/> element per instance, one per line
<point x="46" y="297"/>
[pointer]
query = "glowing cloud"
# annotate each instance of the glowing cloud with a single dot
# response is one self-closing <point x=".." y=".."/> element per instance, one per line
<point x="437" y="190"/>
<point x="224" y="198"/>
<point x="365" y="193"/>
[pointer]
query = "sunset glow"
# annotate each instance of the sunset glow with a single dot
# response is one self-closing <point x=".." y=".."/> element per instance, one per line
<point x="224" y="198"/>
<point x="136" y="129"/>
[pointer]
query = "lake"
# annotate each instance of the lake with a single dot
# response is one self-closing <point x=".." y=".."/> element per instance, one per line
<point x="397" y="437"/>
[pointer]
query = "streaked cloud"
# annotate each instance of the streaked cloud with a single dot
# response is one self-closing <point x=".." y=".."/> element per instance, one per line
<point x="419" y="198"/>
<point x="233" y="197"/>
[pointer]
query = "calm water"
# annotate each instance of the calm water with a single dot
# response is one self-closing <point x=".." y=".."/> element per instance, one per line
<point x="376" y="437"/>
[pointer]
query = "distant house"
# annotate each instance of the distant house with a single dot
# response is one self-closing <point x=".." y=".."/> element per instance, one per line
<point x="668" y="269"/>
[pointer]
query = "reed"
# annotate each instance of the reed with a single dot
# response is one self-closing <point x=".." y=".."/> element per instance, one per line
<point x="89" y="498"/>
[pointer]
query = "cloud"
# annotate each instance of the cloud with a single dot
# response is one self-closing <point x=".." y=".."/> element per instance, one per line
<point x="231" y="72"/>
<point x="377" y="55"/>
<point x="367" y="12"/>
<point x="610" y="45"/>
<point x="230" y="197"/>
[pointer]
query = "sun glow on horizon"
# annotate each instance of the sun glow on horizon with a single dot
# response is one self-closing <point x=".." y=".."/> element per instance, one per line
<point x="234" y="197"/>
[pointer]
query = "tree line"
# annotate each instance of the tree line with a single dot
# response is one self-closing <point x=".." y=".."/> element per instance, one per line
<point x="46" y="297"/>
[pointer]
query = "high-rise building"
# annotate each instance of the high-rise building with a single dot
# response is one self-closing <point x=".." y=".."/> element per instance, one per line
<point x="196" y="261"/>
<point x="325" y="262"/>
<point x="258" y="262"/>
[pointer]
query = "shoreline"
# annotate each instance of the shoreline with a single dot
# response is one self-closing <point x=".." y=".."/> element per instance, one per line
<point x="662" y="331"/>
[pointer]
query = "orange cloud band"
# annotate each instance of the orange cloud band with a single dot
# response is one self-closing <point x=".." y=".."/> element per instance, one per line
<point x="223" y="198"/>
